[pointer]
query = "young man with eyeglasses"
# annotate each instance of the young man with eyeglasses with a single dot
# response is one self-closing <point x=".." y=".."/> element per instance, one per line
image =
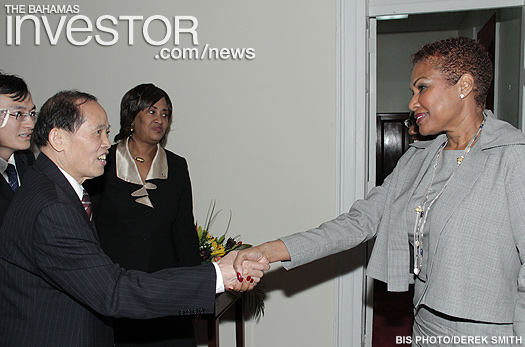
<point x="17" y="118"/>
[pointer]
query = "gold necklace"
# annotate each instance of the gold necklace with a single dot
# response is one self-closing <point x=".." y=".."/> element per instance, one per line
<point x="421" y="214"/>
<point x="137" y="158"/>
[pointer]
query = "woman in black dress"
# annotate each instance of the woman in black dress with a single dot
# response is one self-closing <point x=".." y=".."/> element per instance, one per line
<point x="143" y="209"/>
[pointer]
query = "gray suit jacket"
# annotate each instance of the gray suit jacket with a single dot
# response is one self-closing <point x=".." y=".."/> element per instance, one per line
<point x="477" y="236"/>
<point x="57" y="286"/>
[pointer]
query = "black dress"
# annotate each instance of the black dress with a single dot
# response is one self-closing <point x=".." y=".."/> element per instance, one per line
<point x="156" y="233"/>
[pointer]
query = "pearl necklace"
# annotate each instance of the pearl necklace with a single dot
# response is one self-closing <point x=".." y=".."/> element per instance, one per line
<point x="421" y="214"/>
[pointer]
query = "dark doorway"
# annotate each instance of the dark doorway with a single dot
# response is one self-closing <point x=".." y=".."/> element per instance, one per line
<point x="487" y="38"/>
<point x="393" y="314"/>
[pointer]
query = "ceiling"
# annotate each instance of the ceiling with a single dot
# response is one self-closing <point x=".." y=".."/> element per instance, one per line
<point x="423" y="22"/>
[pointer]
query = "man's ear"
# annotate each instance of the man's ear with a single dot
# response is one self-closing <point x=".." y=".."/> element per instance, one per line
<point x="58" y="139"/>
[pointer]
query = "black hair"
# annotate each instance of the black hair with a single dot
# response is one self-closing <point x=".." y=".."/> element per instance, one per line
<point x="61" y="111"/>
<point x="137" y="99"/>
<point x="13" y="86"/>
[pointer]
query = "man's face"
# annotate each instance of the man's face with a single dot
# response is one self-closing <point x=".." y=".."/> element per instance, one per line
<point x="16" y="134"/>
<point x="85" y="150"/>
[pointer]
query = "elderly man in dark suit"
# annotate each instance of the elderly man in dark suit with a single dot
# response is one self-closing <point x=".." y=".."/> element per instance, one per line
<point x="58" y="288"/>
<point x="17" y="118"/>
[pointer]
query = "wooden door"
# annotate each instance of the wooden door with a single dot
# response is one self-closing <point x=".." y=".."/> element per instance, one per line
<point x="392" y="141"/>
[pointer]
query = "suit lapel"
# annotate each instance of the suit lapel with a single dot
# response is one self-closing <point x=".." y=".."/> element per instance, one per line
<point x="6" y="190"/>
<point x="21" y="165"/>
<point x="6" y="193"/>
<point x="455" y="194"/>
<point x="463" y="182"/>
<point x="421" y="167"/>
<point x="53" y="172"/>
<point x="397" y="235"/>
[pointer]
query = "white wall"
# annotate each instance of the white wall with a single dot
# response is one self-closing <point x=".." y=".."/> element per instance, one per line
<point x="259" y="135"/>
<point x="384" y="7"/>
<point x="506" y="74"/>
<point x="394" y="66"/>
<point x="509" y="62"/>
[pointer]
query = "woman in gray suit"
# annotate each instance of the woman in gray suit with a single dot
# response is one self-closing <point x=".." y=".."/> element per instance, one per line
<point x="450" y="217"/>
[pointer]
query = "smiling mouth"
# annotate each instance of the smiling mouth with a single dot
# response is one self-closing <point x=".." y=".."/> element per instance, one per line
<point x="419" y="117"/>
<point x="102" y="157"/>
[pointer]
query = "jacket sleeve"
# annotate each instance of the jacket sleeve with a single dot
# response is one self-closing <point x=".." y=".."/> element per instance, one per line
<point x="69" y="258"/>
<point x="183" y="233"/>
<point x="347" y="231"/>
<point x="515" y="192"/>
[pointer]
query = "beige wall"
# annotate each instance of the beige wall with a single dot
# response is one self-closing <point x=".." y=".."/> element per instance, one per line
<point x="394" y="66"/>
<point x="259" y="135"/>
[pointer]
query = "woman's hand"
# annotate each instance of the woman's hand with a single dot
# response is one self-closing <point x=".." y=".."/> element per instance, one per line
<point x="264" y="254"/>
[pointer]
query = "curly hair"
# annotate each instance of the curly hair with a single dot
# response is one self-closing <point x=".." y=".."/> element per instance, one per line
<point x="140" y="98"/>
<point x="457" y="56"/>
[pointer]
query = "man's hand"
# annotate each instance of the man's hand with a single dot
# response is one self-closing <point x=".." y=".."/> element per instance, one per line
<point x="253" y="271"/>
<point x="264" y="254"/>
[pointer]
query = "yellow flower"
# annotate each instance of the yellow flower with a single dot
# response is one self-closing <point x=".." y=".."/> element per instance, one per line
<point x="218" y="250"/>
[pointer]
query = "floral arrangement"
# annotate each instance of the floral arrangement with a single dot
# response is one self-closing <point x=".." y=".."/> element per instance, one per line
<point x="214" y="248"/>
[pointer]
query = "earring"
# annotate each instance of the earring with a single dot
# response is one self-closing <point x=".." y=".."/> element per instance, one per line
<point x="462" y="96"/>
<point x="133" y="125"/>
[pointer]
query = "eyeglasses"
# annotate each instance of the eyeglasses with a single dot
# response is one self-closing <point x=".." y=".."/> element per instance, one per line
<point x="19" y="116"/>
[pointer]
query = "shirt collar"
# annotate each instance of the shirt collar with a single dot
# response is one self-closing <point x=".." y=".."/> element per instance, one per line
<point x="127" y="171"/>
<point x="74" y="183"/>
<point x="3" y="163"/>
<point x="127" y="168"/>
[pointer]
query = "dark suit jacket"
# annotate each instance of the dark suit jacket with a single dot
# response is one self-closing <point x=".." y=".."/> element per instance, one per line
<point x="58" y="287"/>
<point x="23" y="159"/>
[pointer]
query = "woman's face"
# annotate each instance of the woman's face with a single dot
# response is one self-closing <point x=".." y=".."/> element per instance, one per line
<point x="435" y="103"/>
<point x="151" y="124"/>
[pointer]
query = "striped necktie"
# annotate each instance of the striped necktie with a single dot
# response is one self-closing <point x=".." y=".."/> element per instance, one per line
<point x="12" y="177"/>
<point x="86" y="202"/>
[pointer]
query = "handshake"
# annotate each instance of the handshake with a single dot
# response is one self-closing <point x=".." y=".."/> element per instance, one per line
<point x="242" y="270"/>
